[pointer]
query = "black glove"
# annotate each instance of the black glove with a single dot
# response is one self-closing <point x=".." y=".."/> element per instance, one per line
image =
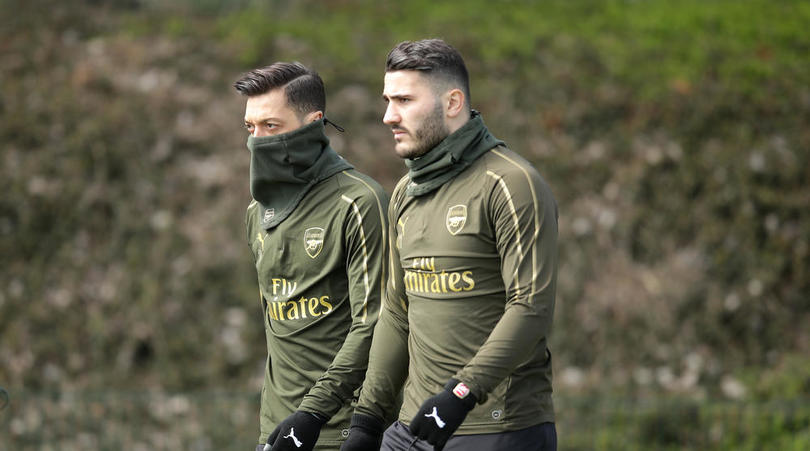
<point x="365" y="434"/>
<point x="297" y="432"/>
<point x="442" y="414"/>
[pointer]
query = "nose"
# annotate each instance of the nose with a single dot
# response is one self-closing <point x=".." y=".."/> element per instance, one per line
<point x="260" y="131"/>
<point x="391" y="115"/>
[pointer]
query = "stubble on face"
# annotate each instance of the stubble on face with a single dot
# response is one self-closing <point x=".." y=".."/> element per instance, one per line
<point x="430" y="132"/>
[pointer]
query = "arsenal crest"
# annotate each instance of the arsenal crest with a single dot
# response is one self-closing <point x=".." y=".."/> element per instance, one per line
<point x="456" y="218"/>
<point x="313" y="241"/>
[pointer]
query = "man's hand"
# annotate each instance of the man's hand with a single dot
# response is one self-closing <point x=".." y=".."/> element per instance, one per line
<point x="365" y="434"/>
<point x="443" y="413"/>
<point x="298" y="432"/>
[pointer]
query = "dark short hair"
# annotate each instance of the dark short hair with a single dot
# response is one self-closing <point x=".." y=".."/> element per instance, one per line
<point x="303" y="87"/>
<point x="432" y="57"/>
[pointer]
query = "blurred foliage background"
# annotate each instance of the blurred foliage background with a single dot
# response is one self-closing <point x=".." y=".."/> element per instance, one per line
<point x="674" y="134"/>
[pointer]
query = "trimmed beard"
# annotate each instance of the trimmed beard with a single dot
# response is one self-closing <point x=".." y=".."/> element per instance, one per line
<point x="432" y="130"/>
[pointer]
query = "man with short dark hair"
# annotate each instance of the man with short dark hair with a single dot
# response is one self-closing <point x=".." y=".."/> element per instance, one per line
<point x="468" y="306"/>
<point x="317" y="231"/>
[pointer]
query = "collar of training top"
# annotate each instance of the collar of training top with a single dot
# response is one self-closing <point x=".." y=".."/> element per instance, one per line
<point x="451" y="156"/>
<point x="283" y="168"/>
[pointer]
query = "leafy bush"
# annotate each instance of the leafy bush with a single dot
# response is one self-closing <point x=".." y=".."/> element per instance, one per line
<point x="673" y="135"/>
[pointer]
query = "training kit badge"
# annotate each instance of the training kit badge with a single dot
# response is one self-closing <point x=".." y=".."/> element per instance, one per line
<point x="313" y="241"/>
<point x="456" y="218"/>
<point x="461" y="390"/>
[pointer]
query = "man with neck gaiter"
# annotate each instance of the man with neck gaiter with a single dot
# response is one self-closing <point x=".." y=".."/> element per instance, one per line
<point x="468" y="306"/>
<point x="317" y="229"/>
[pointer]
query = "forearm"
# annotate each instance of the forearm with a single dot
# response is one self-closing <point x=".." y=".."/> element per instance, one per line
<point x="388" y="357"/>
<point x="344" y="375"/>
<point x="512" y="342"/>
<point x="387" y="369"/>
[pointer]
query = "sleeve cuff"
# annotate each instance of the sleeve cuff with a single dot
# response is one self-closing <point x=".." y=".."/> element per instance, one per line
<point x="319" y="405"/>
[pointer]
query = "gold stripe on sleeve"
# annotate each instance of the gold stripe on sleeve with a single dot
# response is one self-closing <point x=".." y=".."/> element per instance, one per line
<point x="383" y="275"/>
<point x="536" y="216"/>
<point x="365" y="254"/>
<point x="512" y="210"/>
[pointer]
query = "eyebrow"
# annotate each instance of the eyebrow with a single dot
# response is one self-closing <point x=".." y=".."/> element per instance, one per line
<point x="395" y="96"/>
<point x="269" y="118"/>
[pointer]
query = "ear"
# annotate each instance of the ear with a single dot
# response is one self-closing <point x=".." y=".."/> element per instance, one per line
<point x="455" y="102"/>
<point x="313" y="116"/>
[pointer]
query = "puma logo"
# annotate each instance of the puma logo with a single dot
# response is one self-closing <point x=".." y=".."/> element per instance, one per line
<point x="294" y="438"/>
<point x="401" y="224"/>
<point x="435" y="416"/>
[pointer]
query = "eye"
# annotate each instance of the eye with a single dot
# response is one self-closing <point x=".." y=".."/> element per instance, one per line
<point x="248" y="127"/>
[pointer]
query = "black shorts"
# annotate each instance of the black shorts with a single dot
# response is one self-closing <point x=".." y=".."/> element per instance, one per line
<point x="541" y="437"/>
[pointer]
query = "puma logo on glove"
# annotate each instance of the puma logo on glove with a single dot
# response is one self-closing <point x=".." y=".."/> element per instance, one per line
<point x="295" y="439"/>
<point x="309" y="428"/>
<point x="454" y="402"/>
<point x="435" y="416"/>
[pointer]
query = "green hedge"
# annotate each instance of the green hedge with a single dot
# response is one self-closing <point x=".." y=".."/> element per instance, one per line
<point x="673" y="135"/>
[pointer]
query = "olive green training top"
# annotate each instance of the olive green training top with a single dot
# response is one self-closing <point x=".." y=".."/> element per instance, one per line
<point x="470" y="296"/>
<point x="321" y="274"/>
